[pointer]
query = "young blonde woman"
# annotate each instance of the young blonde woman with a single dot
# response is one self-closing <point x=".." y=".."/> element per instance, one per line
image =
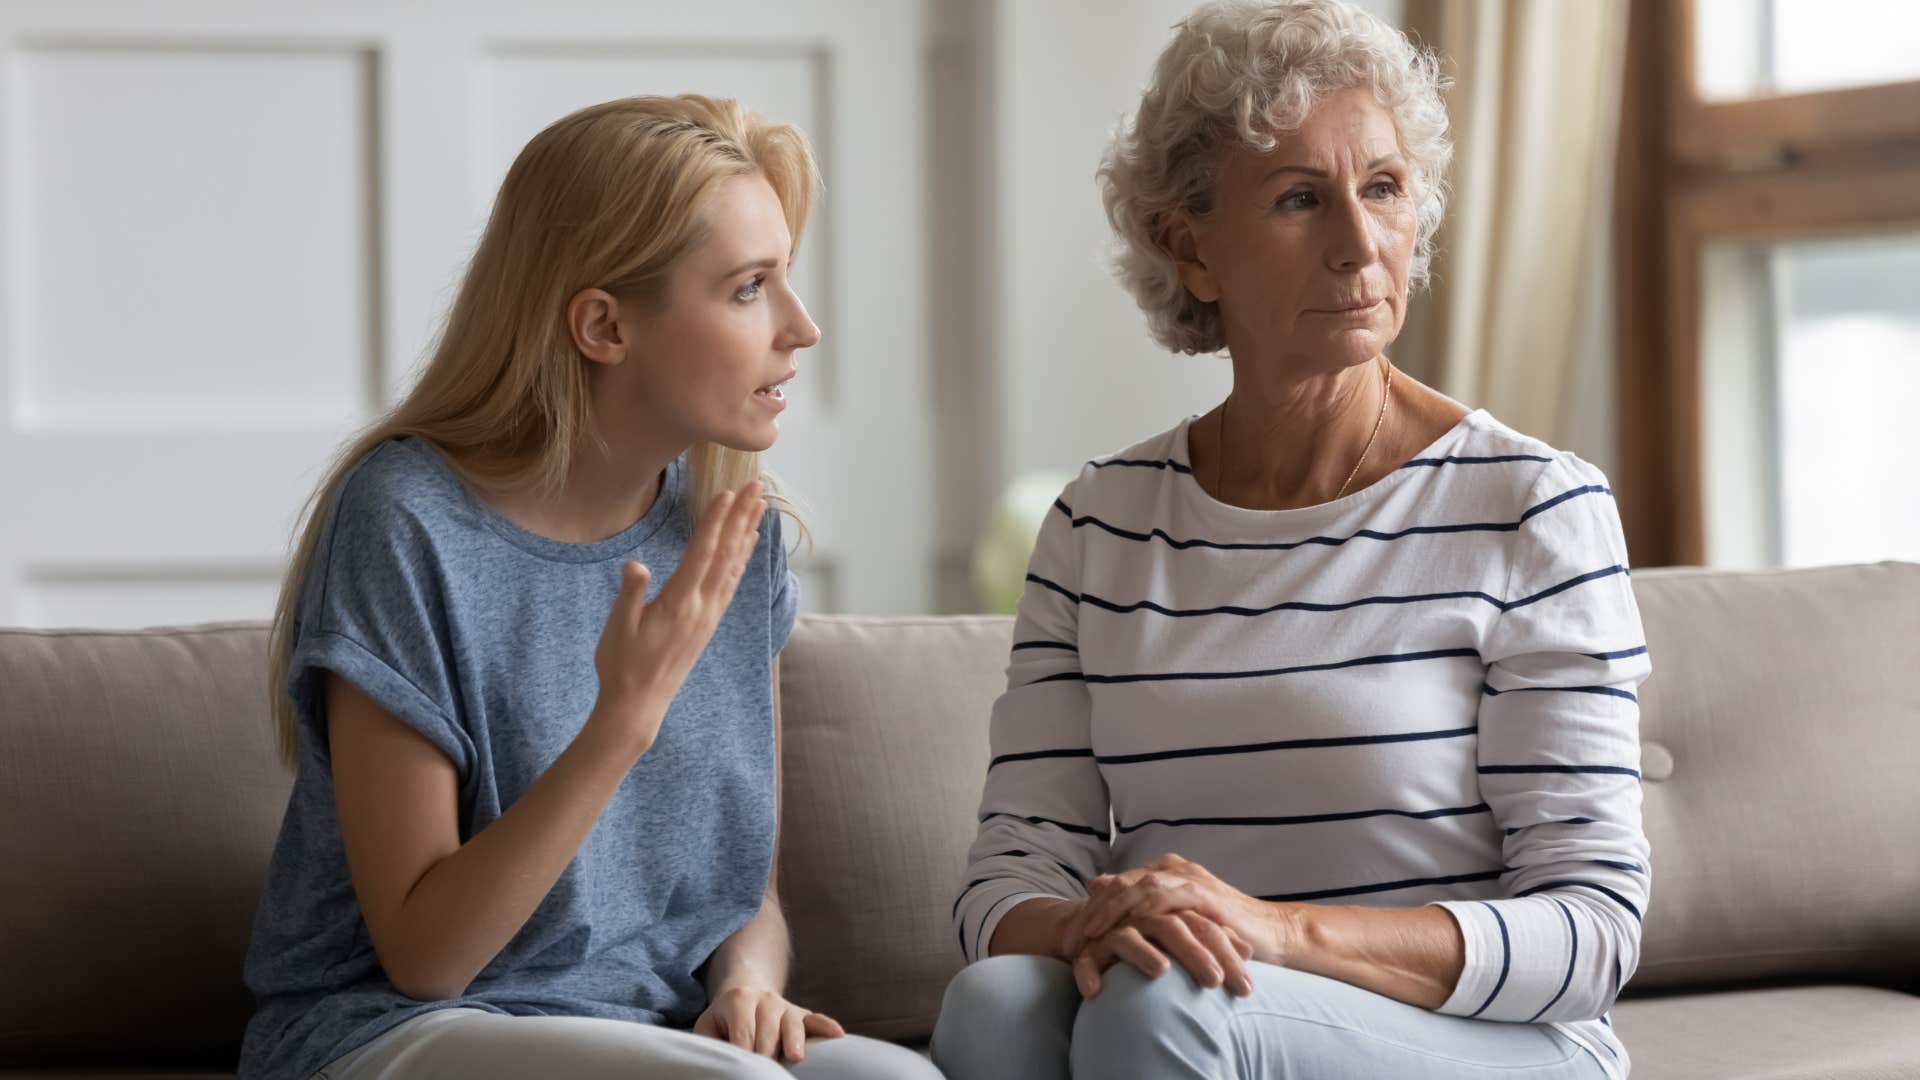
<point x="524" y="657"/>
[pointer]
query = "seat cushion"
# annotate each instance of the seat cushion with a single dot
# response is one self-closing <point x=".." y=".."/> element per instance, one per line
<point x="1791" y="1033"/>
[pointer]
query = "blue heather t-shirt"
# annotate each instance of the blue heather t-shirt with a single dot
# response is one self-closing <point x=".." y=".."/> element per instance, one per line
<point x="480" y="635"/>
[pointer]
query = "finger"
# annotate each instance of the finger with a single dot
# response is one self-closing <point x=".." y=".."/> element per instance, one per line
<point x="793" y="1034"/>
<point x="1177" y="939"/>
<point x="1220" y="942"/>
<point x="739" y="1026"/>
<point x="707" y="1025"/>
<point x="632" y="601"/>
<point x="766" y="1025"/>
<point x="822" y="1026"/>
<point x="1133" y="947"/>
<point x="716" y="560"/>
<point x="1240" y="945"/>
<point x="701" y="545"/>
<point x="1086" y="973"/>
<point x="743" y="537"/>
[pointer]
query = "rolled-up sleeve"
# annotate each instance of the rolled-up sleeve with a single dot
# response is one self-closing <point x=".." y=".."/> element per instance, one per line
<point x="1558" y="763"/>
<point x="1044" y="811"/>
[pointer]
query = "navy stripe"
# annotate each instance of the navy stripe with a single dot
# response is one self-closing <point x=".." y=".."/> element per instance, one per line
<point x="1617" y="770"/>
<point x="1433" y="462"/>
<point x="978" y="945"/>
<point x="1064" y="826"/>
<point x="1595" y="886"/>
<point x="1607" y="690"/>
<point x="1135" y="463"/>
<point x="971" y="885"/>
<point x="1572" y="493"/>
<point x="1506" y="960"/>
<point x="1364" y="661"/>
<point x="1387" y="886"/>
<point x="1324" y="541"/>
<point x="1059" y="676"/>
<point x="1313" y="819"/>
<point x="1562" y="821"/>
<point x="1302" y="605"/>
<point x="1286" y="744"/>
<point x="1019" y="645"/>
<point x="1596" y="575"/>
<point x="1621" y="654"/>
<point x="1061" y="589"/>
<point x="1573" y="958"/>
<point x="1034" y="755"/>
<point x="1631" y="868"/>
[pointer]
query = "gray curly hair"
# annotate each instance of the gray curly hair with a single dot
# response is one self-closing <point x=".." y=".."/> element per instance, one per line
<point x="1248" y="70"/>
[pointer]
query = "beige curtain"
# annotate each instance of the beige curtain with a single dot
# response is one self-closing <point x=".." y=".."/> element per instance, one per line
<point x="1519" y="320"/>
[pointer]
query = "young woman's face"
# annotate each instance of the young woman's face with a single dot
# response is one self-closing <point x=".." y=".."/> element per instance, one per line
<point x="711" y="362"/>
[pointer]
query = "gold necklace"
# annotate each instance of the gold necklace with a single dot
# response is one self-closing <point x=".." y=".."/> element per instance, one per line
<point x="1220" y="441"/>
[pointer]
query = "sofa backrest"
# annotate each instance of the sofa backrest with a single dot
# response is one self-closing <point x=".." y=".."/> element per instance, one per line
<point x="140" y="797"/>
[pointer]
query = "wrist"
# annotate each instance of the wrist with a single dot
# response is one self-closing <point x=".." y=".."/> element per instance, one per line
<point x="1060" y="918"/>
<point x="745" y="977"/>
<point x="1292" y="935"/>
<point x="620" y="728"/>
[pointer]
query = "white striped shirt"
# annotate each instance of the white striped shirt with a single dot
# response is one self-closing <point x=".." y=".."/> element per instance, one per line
<point x="1421" y="693"/>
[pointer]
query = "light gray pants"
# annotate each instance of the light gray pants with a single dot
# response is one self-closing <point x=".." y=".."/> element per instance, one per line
<point x="471" y="1044"/>
<point x="1021" y="1018"/>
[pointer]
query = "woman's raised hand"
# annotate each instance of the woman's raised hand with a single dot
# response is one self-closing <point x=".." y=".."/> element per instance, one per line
<point x="646" y="649"/>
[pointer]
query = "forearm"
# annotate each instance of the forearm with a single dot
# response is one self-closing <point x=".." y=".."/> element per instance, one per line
<point x="755" y="956"/>
<point x="1033" y="928"/>
<point x="1413" y="955"/>
<point x="467" y="906"/>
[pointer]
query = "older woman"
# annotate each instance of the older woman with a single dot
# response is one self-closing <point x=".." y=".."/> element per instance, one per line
<point x="1363" y="658"/>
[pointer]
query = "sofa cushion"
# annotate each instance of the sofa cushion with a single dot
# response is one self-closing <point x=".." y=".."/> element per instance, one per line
<point x="139" y="799"/>
<point x="885" y="729"/>
<point x="1790" y="1033"/>
<point x="1781" y="745"/>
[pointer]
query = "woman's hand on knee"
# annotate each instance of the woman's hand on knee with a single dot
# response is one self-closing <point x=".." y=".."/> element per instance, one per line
<point x="1171" y="884"/>
<point x="764" y="1023"/>
<point x="1214" y="955"/>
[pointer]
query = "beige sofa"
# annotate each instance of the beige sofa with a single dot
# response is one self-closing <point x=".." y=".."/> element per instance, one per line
<point x="139" y="798"/>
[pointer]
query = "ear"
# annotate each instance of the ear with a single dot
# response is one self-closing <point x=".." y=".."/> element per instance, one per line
<point x="1184" y="246"/>
<point x="593" y="318"/>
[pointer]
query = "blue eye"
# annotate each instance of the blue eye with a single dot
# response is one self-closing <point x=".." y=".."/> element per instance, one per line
<point x="1393" y="188"/>
<point x="1287" y="201"/>
<point x="751" y="290"/>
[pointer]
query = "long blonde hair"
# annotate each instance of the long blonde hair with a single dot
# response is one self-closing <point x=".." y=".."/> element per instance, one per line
<point x="609" y="197"/>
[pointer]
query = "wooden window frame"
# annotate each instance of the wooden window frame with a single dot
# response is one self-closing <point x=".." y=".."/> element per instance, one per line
<point x="1693" y="173"/>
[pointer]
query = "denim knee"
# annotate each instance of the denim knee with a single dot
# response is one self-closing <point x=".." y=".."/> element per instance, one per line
<point x="1006" y="1017"/>
<point x="1143" y="1026"/>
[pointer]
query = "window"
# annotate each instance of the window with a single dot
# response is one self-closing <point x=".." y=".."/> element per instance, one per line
<point x="1769" y="244"/>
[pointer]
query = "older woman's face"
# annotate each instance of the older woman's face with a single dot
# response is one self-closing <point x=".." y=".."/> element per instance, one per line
<point x="1307" y="248"/>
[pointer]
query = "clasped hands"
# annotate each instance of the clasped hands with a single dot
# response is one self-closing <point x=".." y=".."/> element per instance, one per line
<point x="1171" y="908"/>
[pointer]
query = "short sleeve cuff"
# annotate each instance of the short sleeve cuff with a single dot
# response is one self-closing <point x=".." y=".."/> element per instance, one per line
<point x="786" y="610"/>
<point x="324" y="651"/>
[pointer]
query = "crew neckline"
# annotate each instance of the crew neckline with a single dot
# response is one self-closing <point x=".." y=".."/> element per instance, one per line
<point x="1333" y="508"/>
<point x="545" y="547"/>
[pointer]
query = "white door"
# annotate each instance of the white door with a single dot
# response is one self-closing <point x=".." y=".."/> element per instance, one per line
<point x="230" y="230"/>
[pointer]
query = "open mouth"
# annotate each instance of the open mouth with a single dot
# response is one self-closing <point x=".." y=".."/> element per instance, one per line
<point x="775" y="391"/>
